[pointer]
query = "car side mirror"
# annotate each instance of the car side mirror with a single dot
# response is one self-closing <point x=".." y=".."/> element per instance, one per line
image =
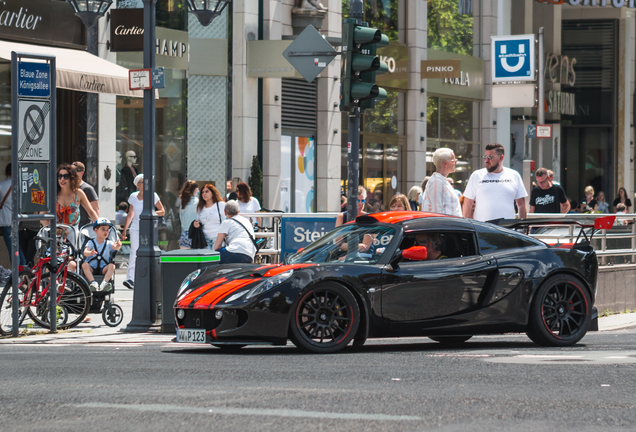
<point x="300" y="250"/>
<point x="415" y="253"/>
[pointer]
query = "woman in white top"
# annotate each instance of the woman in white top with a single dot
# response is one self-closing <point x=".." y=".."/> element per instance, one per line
<point x="210" y="213"/>
<point x="136" y="201"/>
<point x="247" y="203"/>
<point x="187" y="211"/>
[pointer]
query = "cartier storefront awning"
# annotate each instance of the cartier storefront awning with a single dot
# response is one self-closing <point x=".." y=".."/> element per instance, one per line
<point x="79" y="70"/>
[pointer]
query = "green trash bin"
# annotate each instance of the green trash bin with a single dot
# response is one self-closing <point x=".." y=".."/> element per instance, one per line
<point x="176" y="265"/>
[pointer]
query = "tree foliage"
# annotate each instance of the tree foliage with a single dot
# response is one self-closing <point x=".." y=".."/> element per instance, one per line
<point x="255" y="181"/>
<point x="447" y="30"/>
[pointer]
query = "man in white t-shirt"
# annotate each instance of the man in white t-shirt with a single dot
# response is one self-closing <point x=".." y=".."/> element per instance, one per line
<point x="238" y="234"/>
<point x="494" y="189"/>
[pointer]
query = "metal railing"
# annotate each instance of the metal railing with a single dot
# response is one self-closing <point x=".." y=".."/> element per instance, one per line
<point x="270" y="221"/>
<point x="611" y="244"/>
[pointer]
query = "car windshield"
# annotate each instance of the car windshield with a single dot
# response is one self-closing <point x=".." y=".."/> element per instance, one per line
<point x="350" y="243"/>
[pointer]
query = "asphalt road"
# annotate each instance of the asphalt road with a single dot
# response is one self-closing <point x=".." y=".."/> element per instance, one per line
<point x="502" y="383"/>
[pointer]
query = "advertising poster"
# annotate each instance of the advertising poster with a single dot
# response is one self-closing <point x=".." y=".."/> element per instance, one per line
<point x="304" y="174"/>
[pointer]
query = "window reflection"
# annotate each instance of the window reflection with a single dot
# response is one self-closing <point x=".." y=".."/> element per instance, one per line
<point x="447" y="29"/>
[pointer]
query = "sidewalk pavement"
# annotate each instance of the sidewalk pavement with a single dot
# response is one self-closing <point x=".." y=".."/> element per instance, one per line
<point x="96" y="332"/>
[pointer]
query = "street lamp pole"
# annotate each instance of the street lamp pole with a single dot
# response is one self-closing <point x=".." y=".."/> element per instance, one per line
<point x="147" y="275"/>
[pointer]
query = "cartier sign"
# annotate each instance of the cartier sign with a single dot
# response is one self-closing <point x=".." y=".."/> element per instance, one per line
<point x="126" y="30"/>
<point x="44" y="22"/>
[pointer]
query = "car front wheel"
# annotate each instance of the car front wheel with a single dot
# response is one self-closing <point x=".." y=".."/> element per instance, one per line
<point x="560" y="314"/>
<point x="325" y="319"/>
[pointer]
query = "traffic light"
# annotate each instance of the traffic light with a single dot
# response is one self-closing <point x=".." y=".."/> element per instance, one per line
<point x="360" y="65"/>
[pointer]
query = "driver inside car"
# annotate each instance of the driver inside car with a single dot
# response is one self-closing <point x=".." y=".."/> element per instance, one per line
<point x="433" y="244"/>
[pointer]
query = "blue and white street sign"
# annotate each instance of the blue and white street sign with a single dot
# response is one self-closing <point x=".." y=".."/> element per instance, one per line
<point x="532" y="131"/>
<point x="34" y="79"/>
<point x="513" y="58"/>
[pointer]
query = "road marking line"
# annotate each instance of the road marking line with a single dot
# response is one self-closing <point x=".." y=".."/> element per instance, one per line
<point x="249" y="411"/>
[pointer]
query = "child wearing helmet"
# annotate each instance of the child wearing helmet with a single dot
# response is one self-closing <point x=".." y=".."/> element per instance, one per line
<point x="97" y="256"/>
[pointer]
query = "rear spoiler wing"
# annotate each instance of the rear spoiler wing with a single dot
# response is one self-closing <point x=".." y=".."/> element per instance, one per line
<point x="600" y="223"/>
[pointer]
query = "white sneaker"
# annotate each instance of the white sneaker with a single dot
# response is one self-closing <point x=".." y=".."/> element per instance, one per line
<point x="94" y="286"/>
<point x="106" y="286"/>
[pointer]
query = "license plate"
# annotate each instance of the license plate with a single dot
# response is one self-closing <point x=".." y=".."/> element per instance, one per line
<point x="191" y="335"/>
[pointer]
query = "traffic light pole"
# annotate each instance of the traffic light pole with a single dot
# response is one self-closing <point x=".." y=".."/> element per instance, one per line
<point x="353" y="158"/>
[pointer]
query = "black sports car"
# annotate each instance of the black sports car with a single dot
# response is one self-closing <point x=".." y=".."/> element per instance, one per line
<point x="397" y="274"/>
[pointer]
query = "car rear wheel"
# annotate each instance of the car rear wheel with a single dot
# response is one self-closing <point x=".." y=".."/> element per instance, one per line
<point x="449" y="340"/>
<point x="560" y="314"/>
<point x="325" y="319"/>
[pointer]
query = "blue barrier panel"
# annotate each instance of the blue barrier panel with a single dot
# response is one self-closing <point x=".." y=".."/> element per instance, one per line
<point x="298" y="232"/>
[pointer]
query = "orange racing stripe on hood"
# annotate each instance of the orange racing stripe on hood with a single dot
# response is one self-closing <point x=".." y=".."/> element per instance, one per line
<point x="283" y="268"/>
<point x="217" y="294"/>
<point x="198" y="292"/>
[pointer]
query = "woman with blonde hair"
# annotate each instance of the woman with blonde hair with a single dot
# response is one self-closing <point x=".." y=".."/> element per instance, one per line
<point x="210" y="213"/>
<point x="399" y="202"/>
<point x="413" y="196"/>
<point x="362" y="199"/>
<point x="188" y="202"/>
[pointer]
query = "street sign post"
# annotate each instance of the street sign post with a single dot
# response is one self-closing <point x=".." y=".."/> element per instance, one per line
<point x="139" y="79"/>
<point x="310" y="53"/>
<point x="33" y="150"/>
<point x="532" y="131"/>
<point x="544" y="131"/>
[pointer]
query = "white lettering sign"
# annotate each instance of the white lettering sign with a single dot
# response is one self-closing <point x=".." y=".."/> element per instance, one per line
<point x="20" y="19"/>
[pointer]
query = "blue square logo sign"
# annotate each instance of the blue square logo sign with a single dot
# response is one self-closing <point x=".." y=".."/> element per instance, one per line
<point x="513" y="58"/>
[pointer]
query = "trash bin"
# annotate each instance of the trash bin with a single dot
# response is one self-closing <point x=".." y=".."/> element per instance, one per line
<point x="176" y="265"/>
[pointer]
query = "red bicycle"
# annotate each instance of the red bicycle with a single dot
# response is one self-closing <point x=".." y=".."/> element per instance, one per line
<point x="73" y="295"/>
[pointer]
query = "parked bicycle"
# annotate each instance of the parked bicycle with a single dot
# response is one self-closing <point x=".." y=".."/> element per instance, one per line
<point x="73" y="293"/>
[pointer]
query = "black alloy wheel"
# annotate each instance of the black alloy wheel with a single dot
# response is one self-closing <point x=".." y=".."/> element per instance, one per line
<point x="560" y="314"/>
<point x="325" y="319"/>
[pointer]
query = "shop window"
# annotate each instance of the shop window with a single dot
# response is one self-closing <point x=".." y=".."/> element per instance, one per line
<point x="447" y="29"/>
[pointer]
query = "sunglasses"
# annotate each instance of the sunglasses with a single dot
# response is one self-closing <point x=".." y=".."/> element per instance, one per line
<point x="362" y="201"/>
<point x="63" y="176"/>
<point x="490" y="157"/>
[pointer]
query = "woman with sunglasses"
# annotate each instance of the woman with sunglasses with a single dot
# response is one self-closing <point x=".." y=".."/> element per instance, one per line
<point x="70" y="197"/>
<point x="362" y="199"/>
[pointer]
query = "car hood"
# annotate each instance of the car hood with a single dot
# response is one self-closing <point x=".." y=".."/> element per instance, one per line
<point x="217" y="283"/>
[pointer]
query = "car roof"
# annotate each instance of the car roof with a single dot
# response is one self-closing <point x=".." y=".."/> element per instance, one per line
<point x="394" y="217"/>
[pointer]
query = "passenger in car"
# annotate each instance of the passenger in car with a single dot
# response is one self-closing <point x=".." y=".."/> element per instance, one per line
<point x="433" y="244"/>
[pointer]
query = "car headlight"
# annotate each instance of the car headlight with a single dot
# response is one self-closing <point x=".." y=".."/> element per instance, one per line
<point x="236" y="296"/>
<point x="269" y="284"/>
<point x="186" y="282"/>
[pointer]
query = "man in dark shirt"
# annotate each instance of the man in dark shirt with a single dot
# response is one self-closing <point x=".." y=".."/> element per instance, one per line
<point x="90" y="194"/>
<point x="547" y="198"/>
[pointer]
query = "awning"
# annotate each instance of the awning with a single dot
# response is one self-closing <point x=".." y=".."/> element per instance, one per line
<point x="79" y="70"/>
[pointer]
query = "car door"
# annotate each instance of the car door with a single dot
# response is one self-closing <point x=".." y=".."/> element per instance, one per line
<point x="422" y="290"/>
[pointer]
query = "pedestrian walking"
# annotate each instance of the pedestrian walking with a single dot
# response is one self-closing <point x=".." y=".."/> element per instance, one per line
<point x="238" y="234"/>
<point x="546" y="197"/>
<point x="90" y="193"/>
<point x="70" y="198"/>
<point x="136" y="206"/>
<point x="188" y="201"/>
<point x="6" y="212"/>
<point x="423" y="187"/>
<point x="494" y="189"/>
<point x="210" y="214"/>
<point x="439" y="195"/>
